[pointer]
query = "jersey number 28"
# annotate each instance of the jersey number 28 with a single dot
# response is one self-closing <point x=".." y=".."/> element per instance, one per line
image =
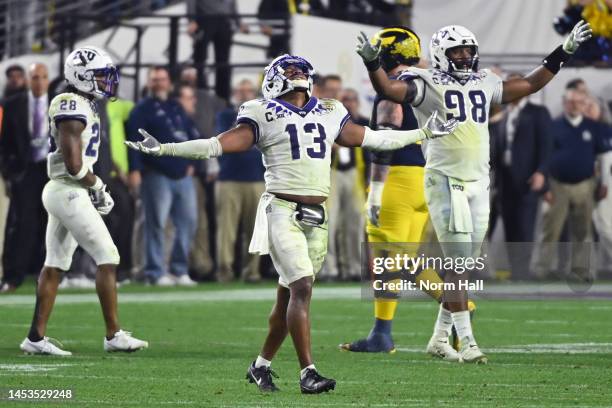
<point x="295" y="142"/>
<point x="455" y="100"/>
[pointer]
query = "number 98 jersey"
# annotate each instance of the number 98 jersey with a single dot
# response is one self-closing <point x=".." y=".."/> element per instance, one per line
<point x="71" y="106"/>
<point x="296" y="143"/>
<point x="464" y="154"/>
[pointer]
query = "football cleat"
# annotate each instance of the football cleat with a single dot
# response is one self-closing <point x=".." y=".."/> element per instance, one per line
<point x="472" y="309"/>
<point x="44" y="346"/>
<point x="471" y="353"/>
<point x="439" y="347"/>
<point x="262" y="376"/>
<point x="315" y="383"/>
<point x="374" y="343"/>
<point x="123" y="341"/>
<point x="185" y="280"/>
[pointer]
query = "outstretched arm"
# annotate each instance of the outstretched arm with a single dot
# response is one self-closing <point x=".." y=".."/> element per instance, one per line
<point x="353" y="135"/>
<point x="235" y="140"/>
<point x="394" y="90"/>
<point x="519" y="87"/>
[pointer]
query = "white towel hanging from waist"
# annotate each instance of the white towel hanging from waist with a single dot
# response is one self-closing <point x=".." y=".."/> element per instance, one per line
<point x="259" y="240"/>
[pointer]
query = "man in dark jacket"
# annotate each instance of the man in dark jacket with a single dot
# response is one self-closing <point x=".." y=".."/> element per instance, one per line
<point x="24" y="144"/>
<point x="521" y="146"/>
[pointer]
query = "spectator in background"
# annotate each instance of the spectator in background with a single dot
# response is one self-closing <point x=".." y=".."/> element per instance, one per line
<point x="208" y="105"/>
<point x="317" y="86"/>
<point x="602" y="111"/>
<point x="521" y="143"/>
<point x="214" y="22"/>
<point x="274" y="16"/>
<point x="238" y="190"/>
<point x="15" y="80"/>
<point x="165" y="183"/>
<point x="347" y="198"/>
<point x="331" y="86"/>
<point x="576" y="143"/>
<point x="120" y="220"/>
<point x="24" y="145"/>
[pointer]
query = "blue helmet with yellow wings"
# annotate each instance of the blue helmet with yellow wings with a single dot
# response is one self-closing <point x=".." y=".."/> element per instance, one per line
<point x="398" y="46"/>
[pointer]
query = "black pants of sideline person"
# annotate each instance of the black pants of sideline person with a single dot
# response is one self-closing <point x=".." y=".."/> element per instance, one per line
<point x="120" y="224"/>
<point x="518" y="211"/>
<point x="24" y="237"/>
<point x="219" y="32"/>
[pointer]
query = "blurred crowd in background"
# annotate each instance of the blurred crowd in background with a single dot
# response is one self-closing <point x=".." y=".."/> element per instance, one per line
<point x="179" y="222"/>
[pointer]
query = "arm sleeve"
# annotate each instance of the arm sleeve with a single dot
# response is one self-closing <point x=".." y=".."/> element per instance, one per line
<point x="194" y="149"/>
<point x="413" y="77"/>
<point x="249" y="114"/>
<point x="390" y="139"/>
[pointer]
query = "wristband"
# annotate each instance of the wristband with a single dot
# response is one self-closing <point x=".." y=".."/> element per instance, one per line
<point x="82" y="173"/>
<point x="372" y="65"/>
<point x="555" y="60"/>
<point x="376" y="190"/>
<point x="98" y="185"/>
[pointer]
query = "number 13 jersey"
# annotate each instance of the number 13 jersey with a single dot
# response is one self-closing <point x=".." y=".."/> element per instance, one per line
<point x="70" y="106"/>
<point x="464" y="154"/>
<point x="296" y="143"/>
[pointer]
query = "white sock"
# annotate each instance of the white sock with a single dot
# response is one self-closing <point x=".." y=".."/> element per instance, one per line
<point x="463" y="324"/>
<point x="303" y="371"/>
<point x="262" y="362"/>
<point x="444" y="323"/>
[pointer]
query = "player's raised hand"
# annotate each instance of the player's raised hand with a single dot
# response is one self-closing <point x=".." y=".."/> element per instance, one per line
<point x="148" y="145"/>
<point x="580" y="33"/>
<point x="365" y="49"/>
<point x="436" y="127"/>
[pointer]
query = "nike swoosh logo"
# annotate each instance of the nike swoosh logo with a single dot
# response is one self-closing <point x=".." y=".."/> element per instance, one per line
<point x="312" y="213"/>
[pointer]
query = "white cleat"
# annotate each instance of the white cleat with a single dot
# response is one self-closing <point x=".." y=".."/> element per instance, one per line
<point x="441" y="348"/>
<point x="471" y="353"/>
<point x="185" y="280"/>
<point x="123" y="341"/>
<point x="43" y="346"/>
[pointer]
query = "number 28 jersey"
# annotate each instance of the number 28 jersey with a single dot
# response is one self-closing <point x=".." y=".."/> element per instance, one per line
<point x="296" y="143"/>
<point x="464" y="154"/>
<point x="71" y="106"/>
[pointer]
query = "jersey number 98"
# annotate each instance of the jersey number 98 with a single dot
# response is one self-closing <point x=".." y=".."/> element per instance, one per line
<point x="455" y="100"/>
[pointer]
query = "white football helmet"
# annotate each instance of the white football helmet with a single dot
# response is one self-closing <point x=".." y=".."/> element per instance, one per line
<point x="82" y="67"/>
<point x="450" y="37"/>
<point x="275" y="83"/>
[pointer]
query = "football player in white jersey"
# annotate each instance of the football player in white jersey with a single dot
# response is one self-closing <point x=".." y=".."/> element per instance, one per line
<point x="295" y="133"/>
<point x="457" y="166"/>
<point x="76" y="199"/>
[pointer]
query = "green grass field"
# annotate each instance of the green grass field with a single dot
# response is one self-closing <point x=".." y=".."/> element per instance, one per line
<point x="542" y="353"/>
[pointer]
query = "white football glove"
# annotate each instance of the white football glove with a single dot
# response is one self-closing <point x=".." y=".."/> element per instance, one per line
<point x="102" y="199"/>
<point x="580" y="33"/>
<point x="436" y="127"/>
<point x="374" y="202"/>
<point x="366" y="50"/>
<point x="148" y="145"/>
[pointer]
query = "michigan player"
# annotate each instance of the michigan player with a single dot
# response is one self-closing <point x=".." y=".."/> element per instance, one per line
<point x="396" y="206"/>
<point x="75" y="199"/>
<point x="295" y="133"/>
<point x="457" y="166"/>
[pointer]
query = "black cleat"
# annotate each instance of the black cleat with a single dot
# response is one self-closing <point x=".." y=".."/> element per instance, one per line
<point x="314" y="383"/>
<point x="262" y="376"/>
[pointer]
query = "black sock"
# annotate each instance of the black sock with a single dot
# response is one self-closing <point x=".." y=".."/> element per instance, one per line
<point x="33" y="335"/>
